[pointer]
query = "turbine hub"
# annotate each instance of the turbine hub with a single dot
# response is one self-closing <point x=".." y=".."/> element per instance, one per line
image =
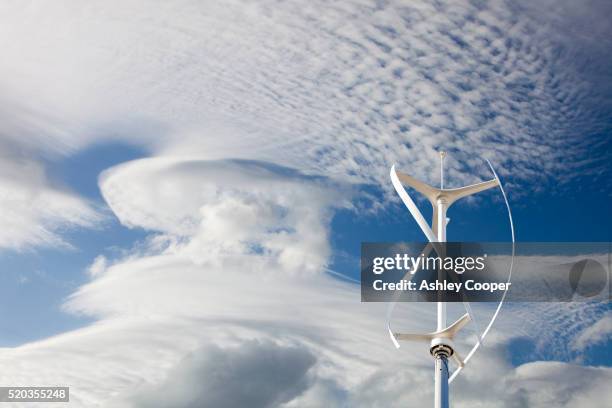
<point x="441" y="350"/>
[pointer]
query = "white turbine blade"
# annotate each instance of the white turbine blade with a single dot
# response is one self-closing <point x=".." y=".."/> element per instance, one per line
<point x="458" y="359"/>
<point x="411" y="206"/>
<point x="454" y="328"/>
<point x="393" y="339"/>
<point x="428" y="191"/>
<point x="456" y="372"/>
<point x="466" y="305"/>
<point x="455" y="194"/>
<point x="505" y="199"/>
<point x="468" y="309"/>
<point x="501" y="302"/>
<point x="413" y="336"/>
<point x="408" y="276"/>
<point x="447" y="333"/>
<point x="426" y="251"/>
<point x="434" y="220"/>
<point x="407" y="337"/>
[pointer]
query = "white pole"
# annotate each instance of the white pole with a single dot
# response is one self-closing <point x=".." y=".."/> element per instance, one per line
<point x="441" y="376"/>
<point x="442" y="156"/>
<point x="441" y="356"/>
<point x="441" y="238"/>
<point x="441" y="233"/>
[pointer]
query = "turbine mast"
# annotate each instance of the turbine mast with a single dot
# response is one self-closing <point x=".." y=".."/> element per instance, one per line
<point x="442" y="156"/>
<point x="441" y="351"/>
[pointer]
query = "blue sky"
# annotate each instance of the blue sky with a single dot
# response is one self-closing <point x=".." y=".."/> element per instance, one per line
<point x="176" y="180"/>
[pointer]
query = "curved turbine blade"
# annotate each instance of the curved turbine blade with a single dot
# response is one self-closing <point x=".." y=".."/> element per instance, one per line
<point x="456" y="372"/>
<point x="392" y="335"/>
<point x="458" y="360"/>
<point x="412" y="206"/>
<point x="501" y="302"/>
<point x="426" y="251"/>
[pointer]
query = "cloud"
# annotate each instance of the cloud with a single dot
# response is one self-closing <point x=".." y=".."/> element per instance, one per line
<point x="257" y="374"/>
<point x="342" y="93"/>
<point x="598" y="332"/>
<point x="229" y="208"/>
<point x="98" y="266"/>
<point x="562" y="385"/>
<point x="154" y="308"/>
<point x="34" y="213"/>
<point x="36" y="210"/>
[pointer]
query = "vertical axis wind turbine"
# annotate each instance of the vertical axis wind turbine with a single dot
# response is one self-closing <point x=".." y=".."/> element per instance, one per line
<point x="441" y="345"/>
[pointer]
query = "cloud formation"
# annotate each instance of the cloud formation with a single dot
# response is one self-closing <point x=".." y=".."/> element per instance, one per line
<point x="34" y="212"/>
<point x="258" y="116"/>
<point x="202" y="298"/>
<point x="257" y="374"/>
<point x="342" y="93"/>
<point x="600" y="331"/>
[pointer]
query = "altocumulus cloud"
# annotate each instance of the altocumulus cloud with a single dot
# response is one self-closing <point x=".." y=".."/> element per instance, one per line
<point x="342" y="92"/>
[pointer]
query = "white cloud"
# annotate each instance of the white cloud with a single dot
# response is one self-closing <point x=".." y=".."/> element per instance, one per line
<point x="562" y="385"/>
<point x="344" y="93"/>
<point x="229" y="208"/>
<point x="258" y="374"/>
<point x="258" y="81"/>
<point x="97" y="266"/>
<point x="592" y="335"/>
<point x="208" y="289"/>
<point x="33" y="212"/>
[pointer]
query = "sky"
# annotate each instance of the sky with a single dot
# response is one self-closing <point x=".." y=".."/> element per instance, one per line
<point x="184" y="187"/>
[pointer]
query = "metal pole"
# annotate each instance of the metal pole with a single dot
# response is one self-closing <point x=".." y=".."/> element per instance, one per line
<point x="441" y="353"/>
<point x="442" y="156"/>
<point x="441" y="367"/>
<point x="441" y="235"/>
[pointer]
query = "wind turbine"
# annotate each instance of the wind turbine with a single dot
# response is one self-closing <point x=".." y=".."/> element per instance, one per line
<point x="440" y="341"/>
